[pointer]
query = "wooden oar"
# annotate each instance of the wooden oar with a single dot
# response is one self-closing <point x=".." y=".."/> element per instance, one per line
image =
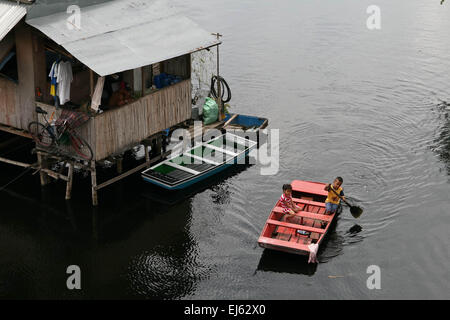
<point x="229" y="120"/>
<point x="354" y="210"/>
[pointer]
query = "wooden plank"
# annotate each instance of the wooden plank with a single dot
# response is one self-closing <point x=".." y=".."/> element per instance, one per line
<point x="315" y="235"/>
<point x="311" y="203"/>
<point x="130" y="172"/>
<point x="15" y="131"/>
<point x="202" y="159"/>
<point x="290" y="245"/>
<point x="230" y="120"/>
<point x="220" y="149"/>
<point x="306" y="214"/>
<point x="26" y="56"/>
<point x="122" y="176"/>
<point x="17" y="163"/>
<point x="55" y="175"/>
<point x="309" y="187"/>
<point x="94" y="184"/>
<point x="177" y="166"/>
<point x="294" y="226"/>
<point x="69" y="181"/>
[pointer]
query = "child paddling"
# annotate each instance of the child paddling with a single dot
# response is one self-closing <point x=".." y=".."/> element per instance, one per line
<point x="332" y="202"/>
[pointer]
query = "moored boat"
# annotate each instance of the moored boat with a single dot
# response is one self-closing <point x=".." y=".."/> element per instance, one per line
<point x="199" y="162"/>
<point x="283" y="236"/>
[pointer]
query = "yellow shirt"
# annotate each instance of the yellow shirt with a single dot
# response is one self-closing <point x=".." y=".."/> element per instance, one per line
<point x="332" y="197"/>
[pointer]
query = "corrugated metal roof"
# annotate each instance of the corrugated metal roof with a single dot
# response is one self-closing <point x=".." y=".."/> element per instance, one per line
<point x="10" y="15"/>
<point x="125" y="34"/>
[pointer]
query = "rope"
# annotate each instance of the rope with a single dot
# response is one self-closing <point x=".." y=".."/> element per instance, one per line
<point x="23" y="145"/>
<point x="15" y="179"/>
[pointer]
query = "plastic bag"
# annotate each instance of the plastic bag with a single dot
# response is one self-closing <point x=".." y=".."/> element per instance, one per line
<point x="210" y="111"/>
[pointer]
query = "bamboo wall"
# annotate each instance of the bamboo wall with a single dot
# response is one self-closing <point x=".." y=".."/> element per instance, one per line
<point x="118" y="130"/>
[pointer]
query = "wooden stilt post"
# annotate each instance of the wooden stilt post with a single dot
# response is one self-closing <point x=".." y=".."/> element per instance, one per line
<point x="42" y="162"/>
<point x="94" y="184"/>
<point x="69" y="181"/>
<point x="147" y="155"/>
<point x="119" y="163"/>
<point x="159" y="145"/>
<point x="219" y="87"/>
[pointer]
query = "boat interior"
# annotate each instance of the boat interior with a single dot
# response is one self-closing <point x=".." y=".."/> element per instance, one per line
<point x="310" y="219"/>
<point x="199" y="159"/>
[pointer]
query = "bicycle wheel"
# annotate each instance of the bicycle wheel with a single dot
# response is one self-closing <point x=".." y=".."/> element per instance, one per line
<point x="40" y="134"/>
<point x="81" y="147"/>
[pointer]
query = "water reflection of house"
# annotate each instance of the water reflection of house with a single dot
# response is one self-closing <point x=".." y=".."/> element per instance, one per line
<point x="129" y="43"/>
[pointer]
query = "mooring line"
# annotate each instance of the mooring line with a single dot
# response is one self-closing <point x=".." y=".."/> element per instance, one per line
<point x="16" y="178"/>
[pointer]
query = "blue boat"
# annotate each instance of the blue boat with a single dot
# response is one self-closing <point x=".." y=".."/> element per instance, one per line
<point x="243" y="122"/>
<point x="200" y="162"/>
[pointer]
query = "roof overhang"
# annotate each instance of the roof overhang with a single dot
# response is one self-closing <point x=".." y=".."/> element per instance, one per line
<point x="10" y="14"/>
<point x="121" y="35"/>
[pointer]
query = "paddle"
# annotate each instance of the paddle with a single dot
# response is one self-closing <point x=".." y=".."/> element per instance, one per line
<point x="354" y="210"/>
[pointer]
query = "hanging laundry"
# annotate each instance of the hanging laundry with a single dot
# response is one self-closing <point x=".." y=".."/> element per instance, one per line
<point x="64" y="78"/>
<point x="53" y="73"/>
<point x="97" y="96"/>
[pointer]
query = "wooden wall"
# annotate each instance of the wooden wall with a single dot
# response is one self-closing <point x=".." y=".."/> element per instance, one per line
<point x="120" y="129"/>
<point x="8" y="98"/>
<point x="27" y="52"/>
<point x="17" y="101"/>
<point x="180" y="66"/>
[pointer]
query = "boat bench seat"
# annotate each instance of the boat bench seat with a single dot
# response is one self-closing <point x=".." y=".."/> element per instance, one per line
<point x="305" y="214"/>
<point x="295" y="226"/>
<point x="309" y="202"/>
<point x="278" y="243"/>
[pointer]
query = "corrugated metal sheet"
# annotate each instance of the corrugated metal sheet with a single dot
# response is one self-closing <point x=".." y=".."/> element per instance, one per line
<point x="10" y="15"/>
<point x="125" y="34"/>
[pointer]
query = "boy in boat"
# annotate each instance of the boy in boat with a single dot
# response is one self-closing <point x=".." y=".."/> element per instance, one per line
<point x="332" y="202"/>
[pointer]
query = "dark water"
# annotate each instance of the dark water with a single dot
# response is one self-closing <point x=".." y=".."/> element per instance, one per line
<point x="371" y="106"/>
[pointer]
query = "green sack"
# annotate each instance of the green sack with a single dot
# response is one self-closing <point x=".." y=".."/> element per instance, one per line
<point x="210" y="111"/>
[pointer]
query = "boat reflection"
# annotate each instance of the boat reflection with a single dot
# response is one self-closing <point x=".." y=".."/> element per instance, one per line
<point x="167" y="197"/>
<point x="276" y="261"/>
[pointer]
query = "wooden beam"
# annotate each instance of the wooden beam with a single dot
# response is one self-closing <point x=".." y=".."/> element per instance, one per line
<point x="229" y="120"/>
<point x="177" y="166"/>
<point x="295" y="226"/>
<point x="91" y="81"/>
<point x="231" y="153"/>
<point x="17" y="163"/>
<point x="122" y="176"/>
<point x="94" y="184"/>
<point x="69" y="181"/>
<point x="130" y="172"/>
<point x="15" y="131"/>
<point x="309" y="215"/>
<point x="55" y="175"/>
<point x="206" y="160"/>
